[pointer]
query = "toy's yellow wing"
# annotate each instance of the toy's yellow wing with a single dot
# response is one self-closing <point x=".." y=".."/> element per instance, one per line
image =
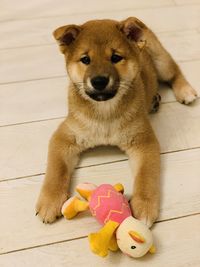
<point x="73" y="206"/>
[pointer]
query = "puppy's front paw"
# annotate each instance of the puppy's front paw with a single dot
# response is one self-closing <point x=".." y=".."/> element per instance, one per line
<point x="49" y="206"/>
<point x="185" y="95"/>
<point x="145" y="209"/>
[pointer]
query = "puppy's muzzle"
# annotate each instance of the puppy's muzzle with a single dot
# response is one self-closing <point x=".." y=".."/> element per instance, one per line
<point x="99" y="82"/>
<point x="100" y="91"/>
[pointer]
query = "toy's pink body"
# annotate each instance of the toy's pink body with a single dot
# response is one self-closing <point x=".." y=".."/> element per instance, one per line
<point x="108" y="204"/>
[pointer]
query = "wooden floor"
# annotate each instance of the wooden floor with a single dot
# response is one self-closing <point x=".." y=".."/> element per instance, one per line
<point x="33" y="103"/>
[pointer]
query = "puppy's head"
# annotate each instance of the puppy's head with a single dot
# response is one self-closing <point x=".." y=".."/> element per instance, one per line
<point x="101" y="56"/>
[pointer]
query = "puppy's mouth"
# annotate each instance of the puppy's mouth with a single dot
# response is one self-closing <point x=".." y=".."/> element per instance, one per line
<point x="101" y="96"/>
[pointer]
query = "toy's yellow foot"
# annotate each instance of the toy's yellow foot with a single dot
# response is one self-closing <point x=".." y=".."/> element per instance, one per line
<point x="152" y="249"/>
<point x="102" y="241"/>
<point x="73" y="206"/>
<point x="97" y="246"/>
<point x="119" y="187"/>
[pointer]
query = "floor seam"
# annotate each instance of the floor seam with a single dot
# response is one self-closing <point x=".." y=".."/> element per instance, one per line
<point x="96" y="12"/>
<point x="195" y="30"/>
<point x="83" y="237"/>
<point x="95" y="165"/>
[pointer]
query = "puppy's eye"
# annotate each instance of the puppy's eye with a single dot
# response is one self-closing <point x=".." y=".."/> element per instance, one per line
<point x="116" y="58"/>
<point x="85" y="60"/>
<point x="133" y="247"/>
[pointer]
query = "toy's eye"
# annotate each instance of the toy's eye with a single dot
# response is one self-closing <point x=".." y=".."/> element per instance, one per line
<point x="133" y="247"/>
<point x="85" y="60"/>
<point x="116" y="58"/>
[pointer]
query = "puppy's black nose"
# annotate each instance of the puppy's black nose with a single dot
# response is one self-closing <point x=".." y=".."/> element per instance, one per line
<point x="99" y="82"/>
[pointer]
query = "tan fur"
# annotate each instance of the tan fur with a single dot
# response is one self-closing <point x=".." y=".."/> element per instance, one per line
<point x="121" y="121"/>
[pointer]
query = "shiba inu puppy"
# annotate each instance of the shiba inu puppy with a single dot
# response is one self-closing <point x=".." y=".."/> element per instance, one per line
<point x="114" y="68"/>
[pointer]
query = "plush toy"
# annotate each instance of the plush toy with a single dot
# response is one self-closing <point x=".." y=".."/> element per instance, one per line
<point x="108" y="204"/>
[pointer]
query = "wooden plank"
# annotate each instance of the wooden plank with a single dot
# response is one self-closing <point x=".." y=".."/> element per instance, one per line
<point x="35" y="63"/>
<point x="176" y="126"/>
<point x="180" y="196"/>
<point x="186" y="2"/>
<point x="39" y="31"/>
<point x="182" y="45"/>
<point x="46" y="99"/>
<point x="33" y="100"/>
<point x="177" y="244"/>
<point x="20" y="145"/>
<point x="45" y="8"/>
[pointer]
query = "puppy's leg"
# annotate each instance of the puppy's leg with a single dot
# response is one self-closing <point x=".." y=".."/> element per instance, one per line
<point x="168" y="71"/>
<point x="183" y="91"/>
<point x="144" y="156"/>
<point x="166" y="67"/>
<point x="62" y="157"/>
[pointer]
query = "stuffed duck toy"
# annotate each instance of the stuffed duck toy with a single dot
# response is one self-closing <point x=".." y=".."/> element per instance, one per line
<point x="111" y="209"/>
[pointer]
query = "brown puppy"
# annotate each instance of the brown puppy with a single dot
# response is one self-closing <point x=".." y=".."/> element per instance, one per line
<point x="114" y="68"/>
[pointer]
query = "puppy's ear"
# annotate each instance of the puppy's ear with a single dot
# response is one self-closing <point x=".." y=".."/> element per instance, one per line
<point x="66" y="35"/>
<point x="134" y="29"/>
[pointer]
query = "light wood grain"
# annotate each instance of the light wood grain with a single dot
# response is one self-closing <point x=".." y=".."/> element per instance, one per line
<point x="24" y="147"/>
<point x="187" y="2"/>
<point x="39" y="31"/>
<point x="33" y="100"/>
<point x="180" y="197"/>
<point x="30" y="63"/>
<point x="20" y="148"/>
<point x="182" y="45"/>
<point x="177" y="244"/>
<point x="182" y="130"/>
<point x="22" y="33"/>
<point x="45" y="8"/>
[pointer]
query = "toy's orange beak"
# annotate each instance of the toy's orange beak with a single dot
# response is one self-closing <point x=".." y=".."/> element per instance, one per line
<point x="136" y="236"/>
